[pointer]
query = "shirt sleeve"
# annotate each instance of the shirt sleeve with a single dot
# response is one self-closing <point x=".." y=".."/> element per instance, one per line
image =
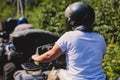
<point x="62" y="42"/>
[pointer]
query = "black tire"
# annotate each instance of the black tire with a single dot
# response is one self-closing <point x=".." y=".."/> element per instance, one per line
<point x="8" y="71"/>
<point x="3" y="59"/>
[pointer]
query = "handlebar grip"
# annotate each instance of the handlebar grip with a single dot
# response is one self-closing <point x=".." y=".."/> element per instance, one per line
<point x="37" y="53"/>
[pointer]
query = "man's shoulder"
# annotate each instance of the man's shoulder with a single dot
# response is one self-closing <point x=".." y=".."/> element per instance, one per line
<point x="21" y="25"/>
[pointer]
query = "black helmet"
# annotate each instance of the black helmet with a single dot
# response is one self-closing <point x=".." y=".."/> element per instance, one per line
<point x="22" y="20"/>
<point x="81" y="15"/>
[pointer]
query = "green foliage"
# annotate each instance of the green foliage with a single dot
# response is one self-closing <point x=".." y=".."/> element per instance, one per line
<point x="107" y="20"/>
<point x="49" y="17"/>
<point x="111" y="62"/>
<point x="7" y="10"/>
<point x="4" y="10"/>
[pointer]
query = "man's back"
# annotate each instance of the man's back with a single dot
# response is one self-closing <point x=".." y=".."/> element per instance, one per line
<point x="23" y="27"/>
<point x="84" y="52"/>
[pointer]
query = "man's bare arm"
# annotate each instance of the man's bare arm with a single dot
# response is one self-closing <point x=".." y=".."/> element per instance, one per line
<point x="48" y="56"/>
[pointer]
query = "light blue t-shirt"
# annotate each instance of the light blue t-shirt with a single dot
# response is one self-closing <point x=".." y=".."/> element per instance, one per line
<point x="84" y="54"/>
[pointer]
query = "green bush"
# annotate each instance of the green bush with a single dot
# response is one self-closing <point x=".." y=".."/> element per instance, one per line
<point x="111" y="62"/>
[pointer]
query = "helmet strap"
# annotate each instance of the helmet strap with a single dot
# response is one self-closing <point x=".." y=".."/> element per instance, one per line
<point x="84" y="28"/>
<point x="70" y="23"/>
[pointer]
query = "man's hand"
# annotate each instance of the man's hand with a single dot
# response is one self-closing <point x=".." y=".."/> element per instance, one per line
<point x="34" y="58"/>
<point x="48" y="56"/>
